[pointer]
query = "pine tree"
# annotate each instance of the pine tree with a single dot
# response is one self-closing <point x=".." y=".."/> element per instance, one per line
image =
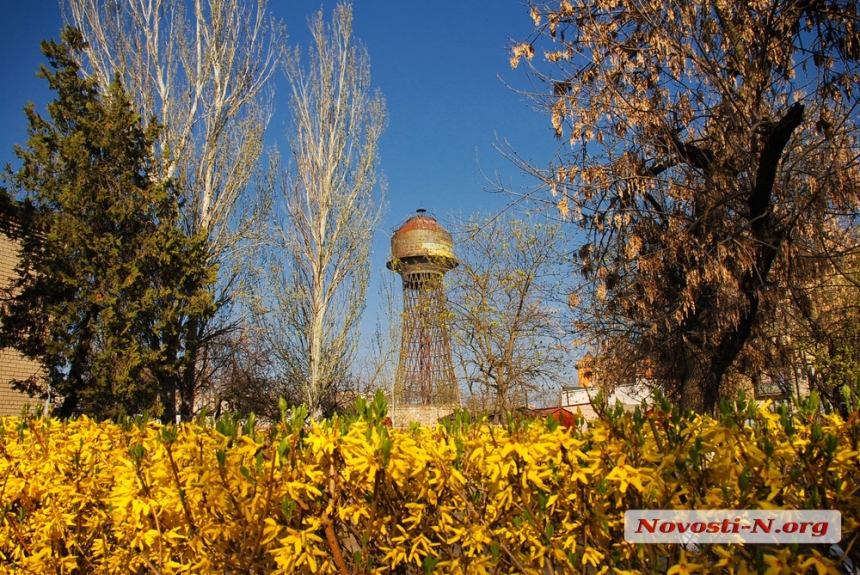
<point x="107" y="282"/>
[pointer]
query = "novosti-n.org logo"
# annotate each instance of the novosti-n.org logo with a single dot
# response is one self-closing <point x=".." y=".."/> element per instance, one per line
<point x="732" y="526"/>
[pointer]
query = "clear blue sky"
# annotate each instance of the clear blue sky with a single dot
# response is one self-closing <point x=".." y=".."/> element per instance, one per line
<point x="437" y="64"/>
<point x="441" y="66"/>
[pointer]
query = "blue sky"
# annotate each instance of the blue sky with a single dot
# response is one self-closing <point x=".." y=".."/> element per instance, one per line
<point x="438" y="64"/>
<point x="441" y="66"/>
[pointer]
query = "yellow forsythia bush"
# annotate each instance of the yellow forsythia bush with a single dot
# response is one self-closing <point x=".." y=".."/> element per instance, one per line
<point x="352" y="496"/>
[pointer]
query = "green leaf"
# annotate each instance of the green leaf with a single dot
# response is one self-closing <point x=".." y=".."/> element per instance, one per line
<point x="428" y="565"/>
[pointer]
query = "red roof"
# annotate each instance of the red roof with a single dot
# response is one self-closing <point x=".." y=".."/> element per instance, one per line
<point x="564" y="417"/>
<point x="421" y="223"/>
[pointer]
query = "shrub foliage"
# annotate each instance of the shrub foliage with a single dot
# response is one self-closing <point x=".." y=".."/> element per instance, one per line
<point x="353" y="496"/>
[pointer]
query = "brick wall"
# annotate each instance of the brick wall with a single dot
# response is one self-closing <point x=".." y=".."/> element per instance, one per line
<point x="12" y="364"/>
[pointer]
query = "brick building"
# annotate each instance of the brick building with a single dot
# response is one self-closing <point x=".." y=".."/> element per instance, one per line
<point x="12" y="364"/>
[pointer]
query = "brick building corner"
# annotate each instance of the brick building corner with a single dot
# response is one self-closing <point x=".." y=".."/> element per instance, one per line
<point x="13" y="365"/>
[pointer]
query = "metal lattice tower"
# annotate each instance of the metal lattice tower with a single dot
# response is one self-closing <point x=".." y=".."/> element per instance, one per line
<point x="421" y="252"/>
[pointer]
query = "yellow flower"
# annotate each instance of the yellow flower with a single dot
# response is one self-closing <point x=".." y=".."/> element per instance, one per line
<point x="778" y="565"/>
<point x="821" y="565"/>
<point x="683" y="567"/>
<point x="626" y="475"/>
<point x="592" y="555"/>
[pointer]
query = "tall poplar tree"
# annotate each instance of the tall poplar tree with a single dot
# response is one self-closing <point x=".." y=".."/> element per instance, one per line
<point x="107" y="279"/>
<point x="329" y="207"/>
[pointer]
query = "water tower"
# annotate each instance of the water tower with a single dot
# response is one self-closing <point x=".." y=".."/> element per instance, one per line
<point x="421" y="252"/>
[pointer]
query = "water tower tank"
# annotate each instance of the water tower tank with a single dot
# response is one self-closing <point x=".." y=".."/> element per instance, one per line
<point x="422" y="245"/>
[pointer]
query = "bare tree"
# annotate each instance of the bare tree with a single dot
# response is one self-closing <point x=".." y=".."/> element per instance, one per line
<point x="508" y="302"/>
<point x="708" y="146"/>
<point x="329" y="208"/>
<point x="250" y="382"/>
<point x="203" y="74"/>
<point x="202" y="70"/>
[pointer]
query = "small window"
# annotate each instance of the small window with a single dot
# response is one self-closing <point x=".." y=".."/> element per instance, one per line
<point x="770" y="387"/>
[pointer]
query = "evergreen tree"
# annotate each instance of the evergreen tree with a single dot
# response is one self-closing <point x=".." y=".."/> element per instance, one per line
<point x="107" y="282"/>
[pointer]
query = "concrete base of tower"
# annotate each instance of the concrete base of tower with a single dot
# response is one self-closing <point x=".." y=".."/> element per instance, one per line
<point x="429" y="415"/>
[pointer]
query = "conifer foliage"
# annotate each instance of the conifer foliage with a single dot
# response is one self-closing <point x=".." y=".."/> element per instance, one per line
<point x="108" y="282"/>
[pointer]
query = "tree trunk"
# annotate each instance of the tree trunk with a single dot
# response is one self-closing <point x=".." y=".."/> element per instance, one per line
<point x="188" y="384"/>
<point x="692" y="382"/>
<point x="187" y="380"/>
<point x="168" y="398"/>
<point x="69" y="405"/>
<point x="703" y="370"/>
<point x="700" y="384"/>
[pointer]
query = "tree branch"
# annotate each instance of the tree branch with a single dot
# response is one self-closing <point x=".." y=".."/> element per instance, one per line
<point x="775" y="139"/>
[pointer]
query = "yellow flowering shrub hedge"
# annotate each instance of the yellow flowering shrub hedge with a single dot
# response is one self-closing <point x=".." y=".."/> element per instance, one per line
<point x="352" y="496"/>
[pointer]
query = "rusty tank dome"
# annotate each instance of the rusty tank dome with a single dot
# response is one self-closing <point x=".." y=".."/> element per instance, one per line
<point x="421" y="244"/>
